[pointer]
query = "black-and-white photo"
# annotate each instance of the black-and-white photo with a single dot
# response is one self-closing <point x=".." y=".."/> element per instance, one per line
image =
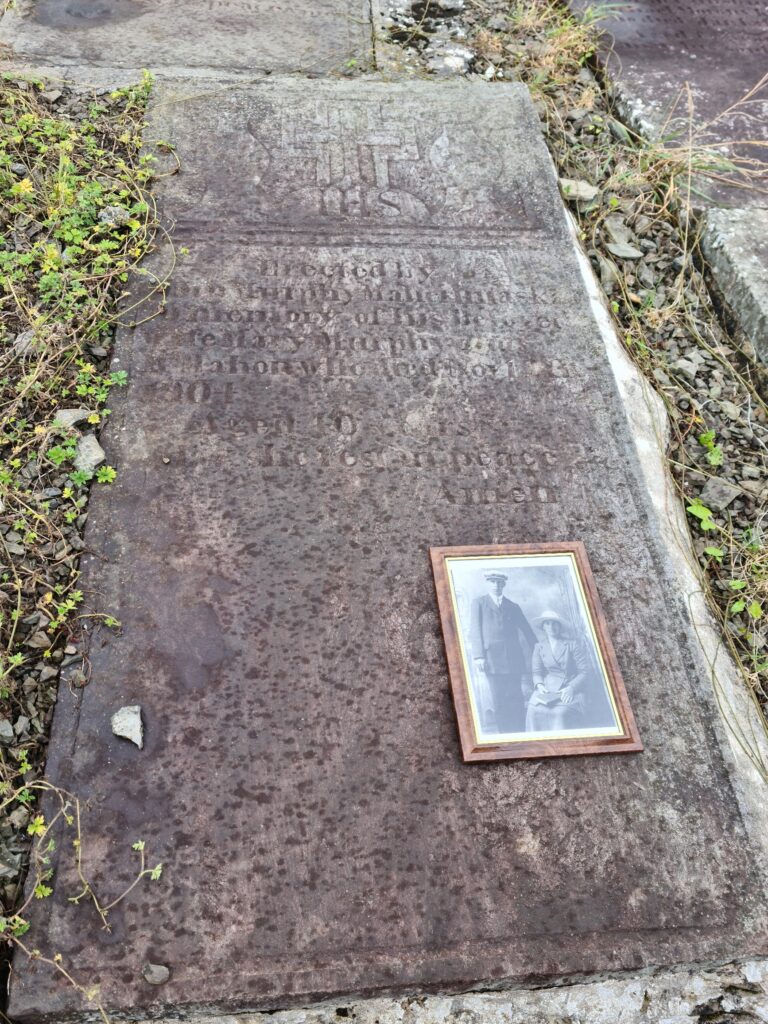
<point x="529" y="648"/>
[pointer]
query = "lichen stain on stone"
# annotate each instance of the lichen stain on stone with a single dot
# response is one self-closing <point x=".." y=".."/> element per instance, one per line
<point x="79" y="14"/>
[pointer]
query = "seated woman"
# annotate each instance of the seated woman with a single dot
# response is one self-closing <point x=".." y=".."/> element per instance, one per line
<point x="560" y="671"/>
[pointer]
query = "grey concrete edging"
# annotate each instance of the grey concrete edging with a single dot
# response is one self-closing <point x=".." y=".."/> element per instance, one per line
<point x="746" y="746"/>
<point x="665" y="997"/>
<point x="735" y="244"/>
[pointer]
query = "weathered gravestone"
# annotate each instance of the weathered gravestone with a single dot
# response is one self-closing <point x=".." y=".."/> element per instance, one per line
<point x="245" y="35"/>
<point x="657" y="46"/>
<point x="380" y="341"/>
<point x="655" y="50"/>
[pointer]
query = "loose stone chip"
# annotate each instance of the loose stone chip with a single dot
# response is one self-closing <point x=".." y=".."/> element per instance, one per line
<point x="581" y="191"/>
<point x="718" y="494"/>
<point x="24" y="343"/>
<point x="70" y="417"/>
<point x="623" y="250"/>
<point x="89" y="454"/>
<point x="127" y="723"/>
<point x="155" y="974"/>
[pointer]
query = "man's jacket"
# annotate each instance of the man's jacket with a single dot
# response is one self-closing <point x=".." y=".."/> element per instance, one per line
<point x="498" y="634"/>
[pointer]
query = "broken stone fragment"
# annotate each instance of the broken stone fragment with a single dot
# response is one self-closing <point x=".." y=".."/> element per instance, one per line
<point x="731" y="410"/>
<point x="70" y="417"/>
<point x="617" y="230"/>
<point x="89" y="454"/>
<point x="23" y="343"/>
<point x="7" y="734"/>
<point x="127" y="723"/>
<point x="617" y="130"/>
<point x="21" y="725"/>
<point x="623" y="250"/>
<point x="621" y="237"/>
<point x="155" y="974"/>
<point x="19" y="817"/>
<point x="609" y="273"/>
<point x="686" y="366"/>
<point x="445" y="59"/>
<point x="114" y="216"/>
<point x="10" y="863"/>
<point x="718" y="494"/>
<point x="39" y="640"/>
<point x="581" y="191"/>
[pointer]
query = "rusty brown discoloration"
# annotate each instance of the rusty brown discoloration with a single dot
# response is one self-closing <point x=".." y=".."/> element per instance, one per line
<point x="380" y="342"/>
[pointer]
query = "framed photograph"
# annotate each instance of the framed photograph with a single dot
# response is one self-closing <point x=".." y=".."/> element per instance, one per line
<point x="533" y="671"/>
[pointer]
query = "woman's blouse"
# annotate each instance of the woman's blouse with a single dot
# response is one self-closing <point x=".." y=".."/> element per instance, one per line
<point x="569" y="666"/>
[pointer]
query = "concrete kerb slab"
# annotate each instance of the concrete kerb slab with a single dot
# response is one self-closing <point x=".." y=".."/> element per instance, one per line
<point x="662" y="997"/>
<point x="735" y="244"/>
<point x="116" y="78"/>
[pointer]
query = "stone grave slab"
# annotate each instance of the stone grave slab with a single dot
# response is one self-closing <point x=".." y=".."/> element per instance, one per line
<point x="653" y="49"/>
<point x="235" y="35"/>
<point x="379" y="341"/>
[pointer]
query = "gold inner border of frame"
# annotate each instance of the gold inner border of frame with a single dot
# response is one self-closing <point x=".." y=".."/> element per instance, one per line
<point x="528" y="737"/>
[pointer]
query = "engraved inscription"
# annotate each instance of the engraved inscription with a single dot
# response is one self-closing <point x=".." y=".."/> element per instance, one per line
<point x="379" y="166"/>
<point x="286" y="363"/>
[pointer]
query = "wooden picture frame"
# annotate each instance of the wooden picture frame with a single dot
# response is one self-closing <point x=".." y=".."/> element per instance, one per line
<point x="562" y="697"/>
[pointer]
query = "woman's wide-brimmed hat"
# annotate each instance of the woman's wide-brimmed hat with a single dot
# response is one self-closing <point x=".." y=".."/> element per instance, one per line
<point x="550" y="616"/>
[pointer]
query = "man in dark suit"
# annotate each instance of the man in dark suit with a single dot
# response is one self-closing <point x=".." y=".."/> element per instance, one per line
<point x="502" y="643"/>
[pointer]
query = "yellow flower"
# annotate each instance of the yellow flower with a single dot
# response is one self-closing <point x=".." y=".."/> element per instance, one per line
<point x="25" y="187"/>
<point x="51" y="258"/>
